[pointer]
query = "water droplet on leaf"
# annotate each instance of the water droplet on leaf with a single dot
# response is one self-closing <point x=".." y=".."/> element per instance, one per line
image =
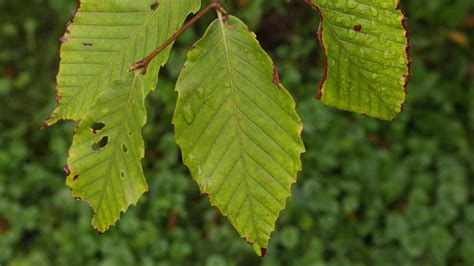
<point x="188" y="113"/>
<point x="200" y="92"/>
<point x="374" y="11"/>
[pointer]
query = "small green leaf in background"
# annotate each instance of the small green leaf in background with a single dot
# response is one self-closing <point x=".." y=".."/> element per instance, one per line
<point x="104" y="165"/>
<point x="238" y="129"/>
<point x="104" y="39"/>
<point x="367" y="64"/>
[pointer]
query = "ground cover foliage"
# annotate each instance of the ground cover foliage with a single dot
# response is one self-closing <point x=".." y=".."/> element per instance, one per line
<point x="371" y="193"/>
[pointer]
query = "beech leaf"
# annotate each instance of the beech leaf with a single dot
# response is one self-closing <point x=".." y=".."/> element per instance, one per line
<point x="238" y="129"/>
<point x="103" y="39"/>
<point x="367" y="63"/>
<point x="104" y="164"/>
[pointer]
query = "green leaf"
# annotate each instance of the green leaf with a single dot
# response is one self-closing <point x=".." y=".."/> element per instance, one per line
<point x="238" y="129"/>
<point x="104" y="164"/>
<point x="104" y="39"/>
<point x="366" y="48"/>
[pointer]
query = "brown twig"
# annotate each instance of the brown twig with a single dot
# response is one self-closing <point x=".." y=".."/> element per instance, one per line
<point x="143" y="64"/>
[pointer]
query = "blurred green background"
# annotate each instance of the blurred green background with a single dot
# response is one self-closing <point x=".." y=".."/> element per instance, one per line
<point x="371" y="192"/>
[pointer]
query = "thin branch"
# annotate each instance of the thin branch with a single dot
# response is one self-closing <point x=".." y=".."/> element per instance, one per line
<point x="143" y="64"/>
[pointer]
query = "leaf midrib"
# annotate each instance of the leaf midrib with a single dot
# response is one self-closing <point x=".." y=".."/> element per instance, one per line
<point x="117" y="146"/>
<point x="236" y="113"/>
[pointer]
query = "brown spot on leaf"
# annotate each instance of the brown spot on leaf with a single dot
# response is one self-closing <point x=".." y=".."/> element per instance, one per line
<point x="63" y="40"/>
<point x="45" y="125"/>
<point x="225" y="18"/>
<point x="74" y="13"/>
<point x="75" y="177"/>
<point x="263" y="251"/>
<point x="407" y="51"/>
<point x="154" y="6"/>
<point x="73" y="16"/>
<point x="87" y="44"/>
<point x="321" y="44"/>
<point x="357" y="27"/>
<point x="67" y="170"/>
<point x="276" y="76"/>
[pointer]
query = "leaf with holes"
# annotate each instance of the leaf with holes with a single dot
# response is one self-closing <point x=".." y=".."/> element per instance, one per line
<point x="103" y="39"/>
<point x="238" y="129"/>
<point x="104" y="164"/>
<point x="367" y="62"/>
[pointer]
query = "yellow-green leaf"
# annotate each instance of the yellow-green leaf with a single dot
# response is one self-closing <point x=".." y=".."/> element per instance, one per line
<point x="104" y="165"/>
<point x="104" y="38"/>
<point x="238" y="129"/>
<point x="367" y="64"/>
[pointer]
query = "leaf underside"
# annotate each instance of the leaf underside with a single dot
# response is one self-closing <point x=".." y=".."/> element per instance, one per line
<point x="367" y="64"/>
<point x="238" y="129"/>
<point x="106" y="37"/>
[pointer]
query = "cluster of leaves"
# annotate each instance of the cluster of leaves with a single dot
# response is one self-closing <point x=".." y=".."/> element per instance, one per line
<point x="235" y="123"/>
<point x="408" y="201"/>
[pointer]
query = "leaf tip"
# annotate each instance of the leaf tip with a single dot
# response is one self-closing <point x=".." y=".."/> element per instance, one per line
<point x="45" y="125"/>
<point x="263" y="252"/>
